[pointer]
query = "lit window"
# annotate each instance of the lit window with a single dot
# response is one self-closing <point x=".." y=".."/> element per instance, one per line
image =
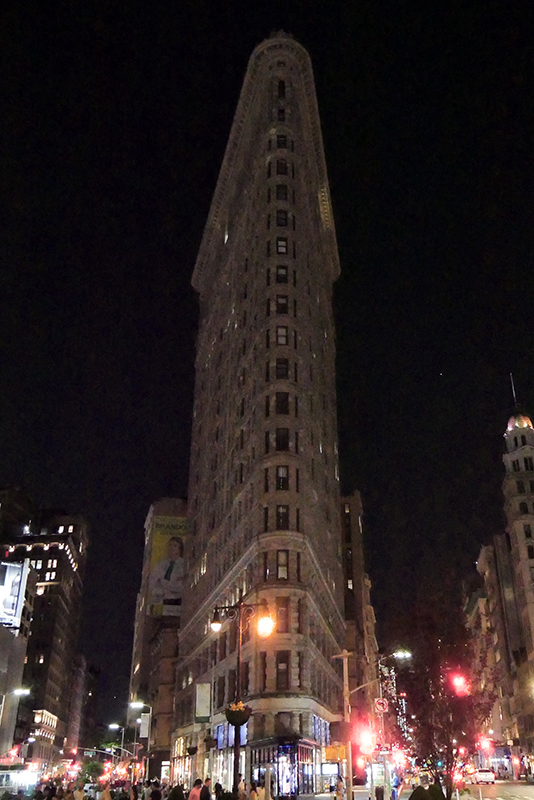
<point x="39" y="564"/>
<point x="40" y="589"/>
<point x="349" y="583"/>
<point x="40" y="658"/>
<point x="71" y="528"/>
<point x="282" y="477"/>
<point x="52" y="576"/>
<point x="282" y="335"/>
<point x="61" y="529"/>
<point x="282" y="561"/>
<point x="47" y="576"/>
<point x="281" y="245"/>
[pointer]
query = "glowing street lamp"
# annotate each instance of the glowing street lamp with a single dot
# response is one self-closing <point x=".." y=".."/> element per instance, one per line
<point x="241" y="611"/>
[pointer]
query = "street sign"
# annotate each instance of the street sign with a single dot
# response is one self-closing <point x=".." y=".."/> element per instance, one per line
<point x="90" y="753"/>
<point x="381" y="705"/>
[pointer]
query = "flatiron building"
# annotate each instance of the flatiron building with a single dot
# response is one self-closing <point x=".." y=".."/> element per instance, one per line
<point x="264" y="499"/>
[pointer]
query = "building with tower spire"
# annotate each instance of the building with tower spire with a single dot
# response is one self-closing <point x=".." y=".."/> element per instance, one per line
<point x="264" y="498"/>
<point x="501" y="615"/>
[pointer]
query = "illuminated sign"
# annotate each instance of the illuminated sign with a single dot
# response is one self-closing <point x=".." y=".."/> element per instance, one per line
<point x="13" y="577"/>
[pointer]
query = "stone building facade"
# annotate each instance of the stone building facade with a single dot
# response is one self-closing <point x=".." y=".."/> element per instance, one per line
<point x="264" y="499"/>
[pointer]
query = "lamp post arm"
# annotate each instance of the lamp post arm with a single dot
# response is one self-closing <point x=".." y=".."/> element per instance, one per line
<point x="364" y="685"/>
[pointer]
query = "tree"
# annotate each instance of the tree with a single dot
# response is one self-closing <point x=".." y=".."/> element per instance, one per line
<point x="91" y="771"/>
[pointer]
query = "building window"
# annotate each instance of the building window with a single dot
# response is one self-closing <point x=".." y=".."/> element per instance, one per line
<point x="281" y="191"/>
<point x="281" y="218"/>
<point x="529" y="464"/>
<point x="297" y="520"/>
<point x="530" y="550"/>
<point x="282" y="368"/>
<point x="281" y="274"/>
<point x="297" y="450"/>
<point x="295" y="372"/>
<point x="281" y="115"/>
<point x="268" y="222"/>
<point x="268" y="307"/>
<point x="267" y="405"/>
<point x="282" y="670"/>
<point x="523" y="440"/>
<point x="282" y="402"/>
<point x="520" y="487"/>
<point x="267" y="339"/>
<point x="245" y="675"/>
<point x="281" y="166"/>
<point x="281" y="245"/>
<point x="281" y="304"/>
<point x="281" y="90"/>
<point x="523" y="508"/>
<point x="265" y="519"/>
<point x="294" y="308"/>
<point x="282" y="614"/>
<point x="267" y="378"/>
<point x="281" y="141"/>
<point x="282" y="518"/>
<point x="282" y="562"/>
<point x="296" y="406"/>
<point x="267" y="441"/>
<point x="282" y="478"/>
<point x="265" y="566"/>
<point x="220" y="691"/>
<point x="298" y="572"/>
<point x="515" y="466"/>
<point x="266" y="480"/>
<point x="527" y="530"/>
<point x="263" y="671"/>
<point x="282" y="335"/>
<point x="282" y="439"/>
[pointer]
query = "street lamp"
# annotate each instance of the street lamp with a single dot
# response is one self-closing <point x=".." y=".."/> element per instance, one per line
<point x="138" y="704"/>
<point x="241" y="611"/>
<point x="114" y="726"/>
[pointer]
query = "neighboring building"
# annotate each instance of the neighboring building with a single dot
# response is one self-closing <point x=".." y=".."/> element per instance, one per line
<point x="505" y="608"/>
<point x="264" y="499"/>
<point x="56" y="546"/>
<point x="359" y="614"/>
<point x="17" y="592"/>
<point x="157" y="622"/>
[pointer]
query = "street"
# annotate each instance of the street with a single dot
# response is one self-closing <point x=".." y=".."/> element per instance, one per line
<point x="502" y="790"/>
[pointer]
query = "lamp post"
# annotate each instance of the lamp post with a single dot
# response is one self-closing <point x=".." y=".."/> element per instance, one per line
<point x="400" y="655"/>
<point x="138" y="704"/>
<point x="114" y="726"/>
<point x="241" y="611"/>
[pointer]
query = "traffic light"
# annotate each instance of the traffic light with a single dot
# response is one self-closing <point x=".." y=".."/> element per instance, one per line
<point x="459" y="684"/>
<point x="365" y="739"/>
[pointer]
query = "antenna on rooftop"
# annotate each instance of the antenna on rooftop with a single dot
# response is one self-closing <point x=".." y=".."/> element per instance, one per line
<point x="513" y="388"/>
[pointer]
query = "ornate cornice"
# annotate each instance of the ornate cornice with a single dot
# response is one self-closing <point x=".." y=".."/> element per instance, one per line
<point x="278" y="45"/>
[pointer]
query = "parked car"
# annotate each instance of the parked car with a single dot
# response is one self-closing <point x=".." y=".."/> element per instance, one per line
<point x="482" y="776"/>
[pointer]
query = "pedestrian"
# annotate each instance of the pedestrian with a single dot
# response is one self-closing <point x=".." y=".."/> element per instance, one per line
<point x="253" y="794"/>
<point x="177" y="793"/>
<point x="106" y="794"/>
<point x="205" y="792"/>
<point x="241" y="790"/>
<point x="79" y="793"/>
<point x="218" y="791"/>
<point x="147" y="790"/>
<point x="194" y="794"/>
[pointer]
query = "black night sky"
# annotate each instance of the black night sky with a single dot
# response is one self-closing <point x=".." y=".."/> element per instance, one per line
<point x="114" y="123"/>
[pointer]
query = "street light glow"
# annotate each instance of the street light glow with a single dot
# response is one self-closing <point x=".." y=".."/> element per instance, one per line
<point x="137" y="704"/>
<point x="265" y="626"/>
<point x="216" y="623"/>
<point x="402" y="655"/>
<point x="114" y="726"/>
<point x="21" y="692"/>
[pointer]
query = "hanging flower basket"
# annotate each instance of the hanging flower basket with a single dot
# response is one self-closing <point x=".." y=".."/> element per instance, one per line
<point x="192" y="750"/>
<point x="210" y="742"/>
<point x="238" y="714"/>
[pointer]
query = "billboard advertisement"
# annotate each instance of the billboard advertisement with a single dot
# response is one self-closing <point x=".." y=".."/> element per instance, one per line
<point x="167" y="566"/>
<point x="13" y="577"/>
